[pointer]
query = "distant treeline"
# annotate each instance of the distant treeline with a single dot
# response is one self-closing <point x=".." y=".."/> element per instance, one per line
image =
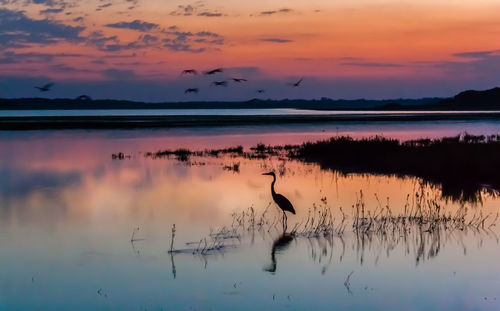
<point x="468" y="100"/>
<point x="322" y="104"/>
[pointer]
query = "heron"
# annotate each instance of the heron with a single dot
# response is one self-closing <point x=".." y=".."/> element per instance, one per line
<point x="214" y="71"/>
<point x="45" y="88"/>
<point x="296" y="84"/>
<point x="189" y="71"/>
<point x="191" y="90"/>
<point x="282" y="202"/>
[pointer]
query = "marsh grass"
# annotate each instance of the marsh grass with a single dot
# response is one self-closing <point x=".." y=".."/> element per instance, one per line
<point x="234" y="167"/>
<point x="120" y="156"/>
<point x="185" y="154"/>
<point x="422" y="227"/>
<point x="463" y="166"/>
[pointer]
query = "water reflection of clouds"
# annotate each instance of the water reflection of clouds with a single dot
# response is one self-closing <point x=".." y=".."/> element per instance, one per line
<point x="19" y="183"/>
<point x="87" y="205"/>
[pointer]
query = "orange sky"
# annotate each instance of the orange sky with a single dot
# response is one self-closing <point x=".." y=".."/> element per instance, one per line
<point x="358" y="41"/>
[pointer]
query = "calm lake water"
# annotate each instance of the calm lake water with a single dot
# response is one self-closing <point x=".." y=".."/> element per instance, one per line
<point x="68" y="212"/>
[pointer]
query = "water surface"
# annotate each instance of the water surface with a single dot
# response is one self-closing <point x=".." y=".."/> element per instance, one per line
<point x="67" y="213"/>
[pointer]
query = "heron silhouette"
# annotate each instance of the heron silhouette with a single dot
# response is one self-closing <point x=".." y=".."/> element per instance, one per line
<point x="45" y="88"/>
<point x="282" y="202"/>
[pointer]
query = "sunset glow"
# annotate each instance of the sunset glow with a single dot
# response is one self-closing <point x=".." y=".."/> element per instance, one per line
<point x="136" y="49"/>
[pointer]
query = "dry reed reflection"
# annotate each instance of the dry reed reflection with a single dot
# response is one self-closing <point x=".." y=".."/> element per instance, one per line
<point x="422" y="228"/>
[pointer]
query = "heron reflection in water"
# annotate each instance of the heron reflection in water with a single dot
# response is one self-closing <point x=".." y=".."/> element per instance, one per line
<point x="279" y="245"/>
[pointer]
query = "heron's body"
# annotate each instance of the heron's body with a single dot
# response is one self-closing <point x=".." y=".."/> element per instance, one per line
<point x="283" y="203"/>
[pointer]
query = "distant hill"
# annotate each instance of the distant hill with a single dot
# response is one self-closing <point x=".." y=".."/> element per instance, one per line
<point x="468" y="100"/>
<point x="476" y="100"/>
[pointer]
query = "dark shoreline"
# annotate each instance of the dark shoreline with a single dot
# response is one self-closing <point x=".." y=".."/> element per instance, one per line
<point x="131" y="122"/>
<point x="462" y="165"/>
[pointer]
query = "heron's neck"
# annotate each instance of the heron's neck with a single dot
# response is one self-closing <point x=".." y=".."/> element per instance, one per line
<point x="272" y="186"/>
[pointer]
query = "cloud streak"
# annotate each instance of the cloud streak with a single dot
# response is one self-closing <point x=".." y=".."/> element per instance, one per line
<point x="274" y="12"/>
<point x="10" y="57"/>
<point x="18" y="30"/>
<point x="134" y="25"/>
<point x="477" y="54"/>
<point x="371" y="64"/>
<point x="197" y="9"/>
<point x="276" y="40"/>
<point x="171" y="38"/>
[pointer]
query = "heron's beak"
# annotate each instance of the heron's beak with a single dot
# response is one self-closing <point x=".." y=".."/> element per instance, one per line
<point x="266" y="173"/>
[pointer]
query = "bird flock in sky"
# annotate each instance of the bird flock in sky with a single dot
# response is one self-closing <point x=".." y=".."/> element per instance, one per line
<point x="194" y="90"/>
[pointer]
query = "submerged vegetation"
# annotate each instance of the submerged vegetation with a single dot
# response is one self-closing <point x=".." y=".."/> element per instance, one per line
<point x="421" y="227"/>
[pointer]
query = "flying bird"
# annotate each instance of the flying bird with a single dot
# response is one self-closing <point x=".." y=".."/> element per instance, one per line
<point x="189" y="71"/>
<point x="296" y="84"/>
<point x="260" y="91"/>
<point x="282" y="202"/>
<point x="214" y="71"/>
<point x="237" y="80"/>
<point x="45" y="88"/>
<point x="219" y="83"/>
<point x="191" y="90"/>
